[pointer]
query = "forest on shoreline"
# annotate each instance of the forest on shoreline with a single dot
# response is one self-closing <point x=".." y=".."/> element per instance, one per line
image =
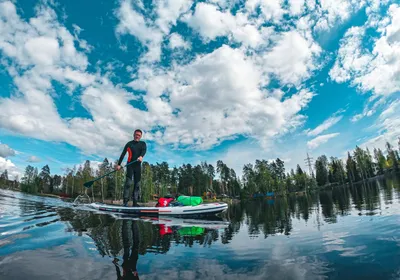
<point x="259" y="178"/>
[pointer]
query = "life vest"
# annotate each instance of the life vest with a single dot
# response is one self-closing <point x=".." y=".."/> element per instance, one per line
<point x="164" y="202"/>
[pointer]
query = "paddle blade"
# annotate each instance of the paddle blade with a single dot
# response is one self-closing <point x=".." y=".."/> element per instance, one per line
<point x="88" y="184"/>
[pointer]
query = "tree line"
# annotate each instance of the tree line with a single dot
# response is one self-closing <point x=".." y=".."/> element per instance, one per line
<point x="259" y="178"/>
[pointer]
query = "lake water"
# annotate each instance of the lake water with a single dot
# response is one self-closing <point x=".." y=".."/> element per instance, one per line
<point x="347" y="233"/>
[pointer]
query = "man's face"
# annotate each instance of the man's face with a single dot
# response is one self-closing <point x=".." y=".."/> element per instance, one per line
<point x="137" y="136"/>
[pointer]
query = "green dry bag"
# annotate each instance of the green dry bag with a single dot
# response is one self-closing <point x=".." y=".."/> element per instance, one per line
<point x="191" y="231"/>
<point x="190" y="200"/>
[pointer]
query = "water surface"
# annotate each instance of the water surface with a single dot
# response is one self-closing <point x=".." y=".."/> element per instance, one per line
<point x="346" y="233"/>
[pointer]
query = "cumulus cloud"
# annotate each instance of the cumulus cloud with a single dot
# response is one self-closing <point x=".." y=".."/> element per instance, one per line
<point x="210" y="22"/>
<point x="334" y="12"/>
<point x="217" y="97"/>
<point x="376" y="70"/>
<point x="222" y="94"/>
<point x="12" y="170"/>
<point x="270" y="10"/>
<point x="150" y="33"/>
<point x="6" y="151"/>
<point x="133" y="23"/>
<point x="42" y="51"/>
<point x="297" y="7"/>
<point x="319" y="140"/>
<point x="293" y="58"/>
<point x="176" y="41"/>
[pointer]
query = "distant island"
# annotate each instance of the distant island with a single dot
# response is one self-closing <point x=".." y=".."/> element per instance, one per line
<point x="259" y="179"/>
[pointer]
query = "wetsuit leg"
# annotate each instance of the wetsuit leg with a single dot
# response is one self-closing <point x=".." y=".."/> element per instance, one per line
<point x="128" y="183"/>
<point x="137" y="174"/>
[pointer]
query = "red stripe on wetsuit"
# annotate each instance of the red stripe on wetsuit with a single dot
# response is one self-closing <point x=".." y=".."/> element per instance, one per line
<point x="129" y="154"/>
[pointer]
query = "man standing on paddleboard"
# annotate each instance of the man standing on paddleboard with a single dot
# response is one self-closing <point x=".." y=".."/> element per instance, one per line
<point x="136" y="150"/>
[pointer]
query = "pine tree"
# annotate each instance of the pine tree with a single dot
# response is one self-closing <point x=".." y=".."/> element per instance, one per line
<point x="380" y="161"/>
<point x="391" y="157"/>
<point x="321" y="170"/>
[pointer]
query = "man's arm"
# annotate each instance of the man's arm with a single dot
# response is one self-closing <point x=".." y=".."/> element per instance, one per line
<point x="144" y="149"/>
<point x="142" y="152"/>
<point x="123" y="154"/>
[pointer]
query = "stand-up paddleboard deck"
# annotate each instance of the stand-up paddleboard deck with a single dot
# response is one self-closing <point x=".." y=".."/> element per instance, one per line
<point x="198" y="210"/>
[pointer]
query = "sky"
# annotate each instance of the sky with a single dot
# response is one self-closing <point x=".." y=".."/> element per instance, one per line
<point x="211" y="80"/>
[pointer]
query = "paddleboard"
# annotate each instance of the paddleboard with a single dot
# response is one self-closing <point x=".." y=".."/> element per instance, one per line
<point x="181" y="211"/>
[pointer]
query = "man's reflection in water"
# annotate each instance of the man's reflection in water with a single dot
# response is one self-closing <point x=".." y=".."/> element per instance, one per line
<point x="129" y="260"/>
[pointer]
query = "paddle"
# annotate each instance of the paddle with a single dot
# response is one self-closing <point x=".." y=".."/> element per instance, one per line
<point x="90" y="183"/>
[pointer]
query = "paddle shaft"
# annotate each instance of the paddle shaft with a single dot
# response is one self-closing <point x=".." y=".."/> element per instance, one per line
<point x="90" y="183"/>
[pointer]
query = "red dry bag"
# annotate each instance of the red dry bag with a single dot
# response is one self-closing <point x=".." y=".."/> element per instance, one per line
<point x="164" y="202"/>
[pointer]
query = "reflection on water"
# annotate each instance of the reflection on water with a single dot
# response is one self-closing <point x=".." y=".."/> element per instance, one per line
<point x="347" y="232"/>
<point x="131" y="251"/>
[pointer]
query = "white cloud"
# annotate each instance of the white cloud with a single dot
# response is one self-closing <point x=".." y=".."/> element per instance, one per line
<point x="40" y="50"/>
<point x="370" y="108"/>
<point x="176" y="41"/>
<point x="33" y="159"/>
<point x="217" y="96"/>
<point x="6" y="151"/>
<point x="293" y="55"/>
<point x="377" y="70"/>
<point x="357" y="117"/>
<point x="324" y="126"/>
<point x="335" y="12"/>
<point x="32" y="112"/>
<point x="319" y="140"/>
<point x="83" y="44"/>
<point x="12" y="170"/>
<point x="133" y="23"/>
<point x="208" y="100"/>
<point x="350" y="59"/>
<point x="169" y="11"/>
<point x="43" y="50"/>
<point x="297" y="7"/>
<point x="271" y="9"/>
<point x="387" y="126"/>
<point x="150" y="33"/>
<point x="292" y="59"/>
<point x="210" y="22"/>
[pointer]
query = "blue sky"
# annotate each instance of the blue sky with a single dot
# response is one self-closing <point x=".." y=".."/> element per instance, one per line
<point x="208" y="80"/>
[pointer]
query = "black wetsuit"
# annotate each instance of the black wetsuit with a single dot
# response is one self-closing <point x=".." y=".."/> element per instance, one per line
<point x="134" y="149"/>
